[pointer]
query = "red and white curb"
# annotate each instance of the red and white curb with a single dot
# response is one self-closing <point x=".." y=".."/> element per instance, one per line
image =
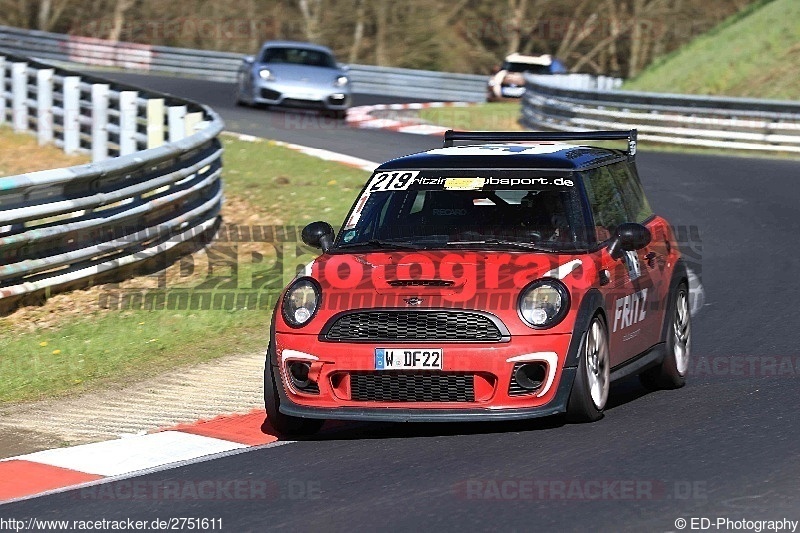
<point x="58" y="469"/>
<point x="362" y="117"/>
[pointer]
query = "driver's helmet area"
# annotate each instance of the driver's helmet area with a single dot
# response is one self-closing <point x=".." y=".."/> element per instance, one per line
<point x="532" y="215"/>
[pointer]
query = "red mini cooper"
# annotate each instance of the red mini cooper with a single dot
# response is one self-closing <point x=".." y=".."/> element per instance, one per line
<point x="510" y="277"/>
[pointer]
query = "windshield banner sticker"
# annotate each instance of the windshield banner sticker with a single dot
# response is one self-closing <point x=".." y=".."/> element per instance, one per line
<point x="404" y="180"/>
<point x="464" y="184"/>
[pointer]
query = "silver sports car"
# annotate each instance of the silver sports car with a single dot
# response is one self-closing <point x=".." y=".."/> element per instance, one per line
<point x="294" y="74"/>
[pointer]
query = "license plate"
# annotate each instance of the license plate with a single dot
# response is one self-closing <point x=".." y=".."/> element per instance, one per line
<point x="408" y="359"/>
<point x="303" y="96"/>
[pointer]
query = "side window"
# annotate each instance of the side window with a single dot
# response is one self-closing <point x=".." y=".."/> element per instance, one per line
<point x="419" y="203"/>
<point x="636" y="205"/>
<point x="606" y="199"/>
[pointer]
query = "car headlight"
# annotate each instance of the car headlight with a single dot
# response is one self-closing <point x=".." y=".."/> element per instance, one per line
<point x="266" y="74"/>
<point x="543" y="303"/>
<point x="341" y="81"/>
<point x="301" y="301"/>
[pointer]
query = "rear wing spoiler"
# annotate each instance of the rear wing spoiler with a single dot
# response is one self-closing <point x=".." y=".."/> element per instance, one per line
<point x="450" y="137"/>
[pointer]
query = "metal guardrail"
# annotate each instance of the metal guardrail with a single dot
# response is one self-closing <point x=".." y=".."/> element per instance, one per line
<point x="555" y="103"/>
<point x="223" y="66"/>
<point x="159" y="197"/>
<point x="418" y="83"/>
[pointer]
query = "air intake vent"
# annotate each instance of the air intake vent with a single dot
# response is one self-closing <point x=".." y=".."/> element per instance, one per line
<point x="421" y="283"/>
<point x="422" y="326"/>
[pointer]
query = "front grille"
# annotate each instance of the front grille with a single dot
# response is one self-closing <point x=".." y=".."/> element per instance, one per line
<point x="445" y="326"/>
<point x="305" y="104"/>
<point x="422" y="387"/>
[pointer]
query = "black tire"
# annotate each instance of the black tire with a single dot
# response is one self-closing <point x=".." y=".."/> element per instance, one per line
<point x="238" y="98"/>
<point x="581" y="406"/>
<point x="671" y="373"/>
<point x="284" y="425"/>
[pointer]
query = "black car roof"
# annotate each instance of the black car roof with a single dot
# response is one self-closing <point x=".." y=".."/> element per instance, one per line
<point x="509" y="156"/>
<point x="508" y="150"/>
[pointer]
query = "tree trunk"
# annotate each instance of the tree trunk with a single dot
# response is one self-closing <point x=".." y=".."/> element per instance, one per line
<point x="636" y="38"/>
<point x="381" y="21"/>
<point x="43" y="18"/>
<point x="358" y="31"/>
<point x="574" y="37"/>
<point x="312" y="13"/>
<point x="516" y="12"/>
<point x="118" y="18"/>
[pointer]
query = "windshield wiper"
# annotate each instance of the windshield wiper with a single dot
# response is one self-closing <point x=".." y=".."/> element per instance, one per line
<point x="518" y="244"/>
<point x="377" y="243"/>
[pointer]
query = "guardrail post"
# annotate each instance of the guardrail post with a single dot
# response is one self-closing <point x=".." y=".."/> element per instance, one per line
<point x="128" y="110"/>
<point x="19" y="95"/>
<point x="2" y="90"/>
<point x="176" y="121"/>
<point x="44" y="105"/>
<point x="155" y="122"/>
<point x="72" y="112"/>
<point x="99" y="122"/>
<point x="192" y="120"/>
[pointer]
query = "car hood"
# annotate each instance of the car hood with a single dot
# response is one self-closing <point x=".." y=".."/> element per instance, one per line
<point x="308" y="74"/>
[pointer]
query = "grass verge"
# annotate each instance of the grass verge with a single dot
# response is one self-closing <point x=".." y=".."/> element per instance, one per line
<point x="494" y="116"/>
<point x="754" y="54"/>
<point x="20" y="153"/>
<point x="71" y="344"/>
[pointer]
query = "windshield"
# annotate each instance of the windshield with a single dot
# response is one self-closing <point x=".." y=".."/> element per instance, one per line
<point x="512" y="209"/>
<point x="298" y="56"/>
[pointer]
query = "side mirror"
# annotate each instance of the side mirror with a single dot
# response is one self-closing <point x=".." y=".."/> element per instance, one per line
<point x="318" y="235"/>
<point x="630" y="236"/>
<point x="248" y="59"/>
<point x="343" y="66"/>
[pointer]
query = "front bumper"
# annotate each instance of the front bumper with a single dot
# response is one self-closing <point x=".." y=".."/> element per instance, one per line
<point x="299" y="95"/>
<point x="491" y="364"/>
<point x="556" y="406"/>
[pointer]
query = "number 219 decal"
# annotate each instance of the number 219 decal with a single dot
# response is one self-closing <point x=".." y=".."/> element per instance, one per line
<point x="393" y="181"/>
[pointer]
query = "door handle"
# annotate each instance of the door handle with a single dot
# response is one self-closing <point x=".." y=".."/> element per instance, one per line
<point x="651" y="259"/>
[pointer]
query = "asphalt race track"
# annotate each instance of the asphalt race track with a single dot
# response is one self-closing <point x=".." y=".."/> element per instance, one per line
<point x="726" y="445"/>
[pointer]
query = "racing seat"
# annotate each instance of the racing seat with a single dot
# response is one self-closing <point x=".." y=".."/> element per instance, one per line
<point x="444" y="211"/>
